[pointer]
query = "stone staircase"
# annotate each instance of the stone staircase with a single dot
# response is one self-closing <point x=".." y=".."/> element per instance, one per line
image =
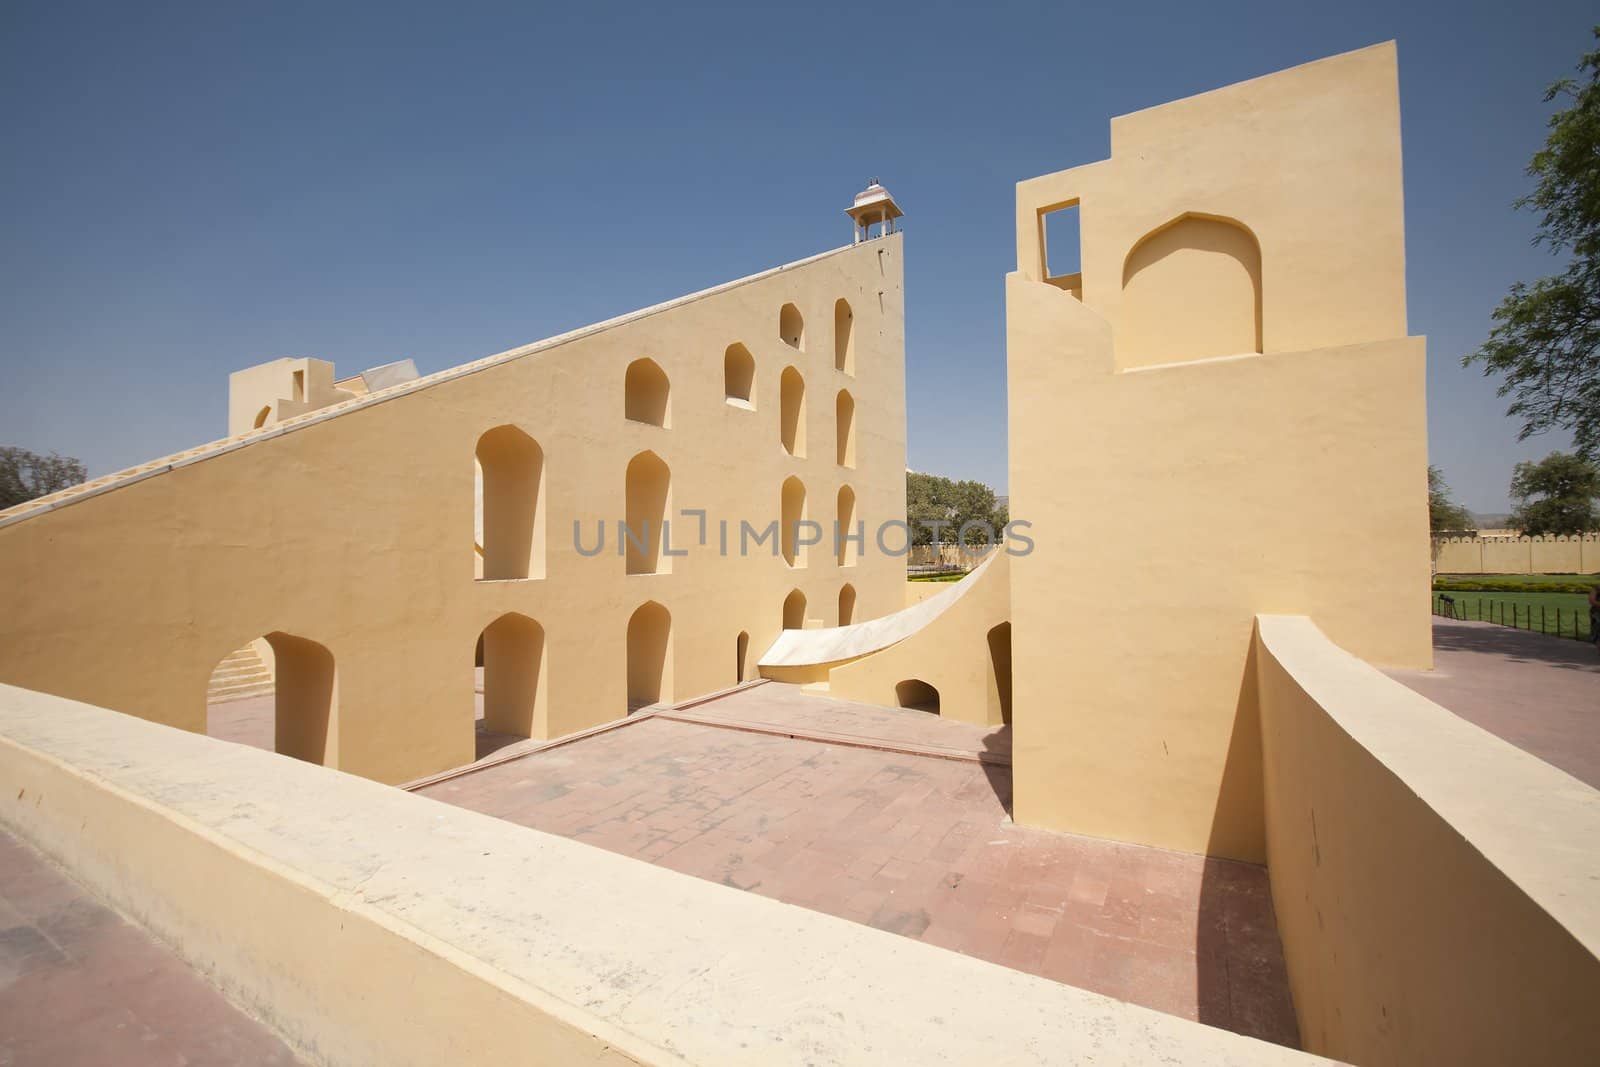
<point x="242" y="673"/>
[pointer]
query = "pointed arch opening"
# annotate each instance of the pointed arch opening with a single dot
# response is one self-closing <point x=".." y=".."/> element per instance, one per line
<point x="845" y="544"/>
<point x="1191" y="289"/>
<point x="509" y="516"/>
<point x="794" y="610"/>
<point x="1000" y="668"/>
<point x="844" y="416"/>
<point x="847" y="604"/>
<point x="647" y="394"/>
<point x="649" y="656"/>
<point x="279" y="692"/>
<point x="512" y="653"/>
<point x="649" y="499"/>
<point x="792" y="327"/>
<point x="844" y="337"/>
<point x="917" y="695"/>
<point x="793" y="510"/>
<point x="739" y="377"/>
<point x="792" y="412"/>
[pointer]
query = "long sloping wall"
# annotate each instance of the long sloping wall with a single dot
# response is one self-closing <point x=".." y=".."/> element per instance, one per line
<point x="348" y="532"/>
<point x="426" y="934"/>
<point x="1435" y="887"/>
<point x="1264" y="220"/>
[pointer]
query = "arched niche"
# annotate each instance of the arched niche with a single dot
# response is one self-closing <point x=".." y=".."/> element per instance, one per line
<point x="792" y="327"/>
<point x="844" y="337"/>
<point x="647" y="393"/>
<point x="1191" y="289"/>
<point x="792" y="411"/>
<point x="794" y="610"/>
<point x="844" y="414"/>
<point x="793" y="511"/>
<point x="649" y="493"/>
<point x="844" y="530"/>
<point x="739" y="376"/>
<point x="847" y="604"/>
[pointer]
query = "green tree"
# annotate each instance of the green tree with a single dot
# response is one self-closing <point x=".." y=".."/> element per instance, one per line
<point x="931" y="499"/>
<point x="25" y="475"/>
<point x="1546" y="339"/>
<point x="1444" y="514"/>
<point x="1555" y="495"/>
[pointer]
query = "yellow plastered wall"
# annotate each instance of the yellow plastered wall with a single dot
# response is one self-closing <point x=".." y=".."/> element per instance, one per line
<point x="1134" y="716"/>
<point x="355" y="529"/>
<point x="1432" y="883"/>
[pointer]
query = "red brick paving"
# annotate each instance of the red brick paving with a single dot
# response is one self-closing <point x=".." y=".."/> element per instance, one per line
<point x="78" y="985"/>
<point x="1540" y="693"/>
<point x="915" y="845"/>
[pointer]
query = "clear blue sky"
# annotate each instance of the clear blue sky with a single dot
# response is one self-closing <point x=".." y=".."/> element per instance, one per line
<point x="194" y="188"/>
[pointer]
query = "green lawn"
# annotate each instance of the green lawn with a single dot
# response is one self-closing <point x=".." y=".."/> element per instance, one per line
<point x="1515" y="583"/>
<point x="1529" y="611"/>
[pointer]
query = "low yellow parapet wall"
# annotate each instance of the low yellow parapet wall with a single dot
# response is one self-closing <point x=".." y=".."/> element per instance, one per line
<point x="1437" y="889"/>
<point x="368" y="925"/>
<point x="1517" y="555"/>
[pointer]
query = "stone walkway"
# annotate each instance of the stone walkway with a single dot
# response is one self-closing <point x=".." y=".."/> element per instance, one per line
<point x="79" y="986"/>
<point x="910" y="843"/>
<point x="1540" y="693"/>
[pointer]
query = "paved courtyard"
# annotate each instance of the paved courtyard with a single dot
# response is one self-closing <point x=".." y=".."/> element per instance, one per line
<point x="898" y="819"/>
<point x="79" y="986"/>
<point x="1538" y="692"/>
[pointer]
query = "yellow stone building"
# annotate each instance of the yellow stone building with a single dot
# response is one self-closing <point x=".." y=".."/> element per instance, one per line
<point x="621" y="524"/>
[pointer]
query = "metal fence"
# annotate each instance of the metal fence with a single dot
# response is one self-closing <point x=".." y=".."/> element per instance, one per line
<point x="1540" y="618"/>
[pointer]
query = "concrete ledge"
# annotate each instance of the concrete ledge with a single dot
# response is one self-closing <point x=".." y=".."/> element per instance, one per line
<point x="1437" y="889"/>
<point x="370" y="925"/>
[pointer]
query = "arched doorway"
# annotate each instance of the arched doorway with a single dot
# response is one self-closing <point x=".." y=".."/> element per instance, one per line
<point x="917" y="695"/>
<point x="513" y="651"/>
<point x="649" y="656"/>
<point x="509" y="524"/>
<point x="290" y="705"/>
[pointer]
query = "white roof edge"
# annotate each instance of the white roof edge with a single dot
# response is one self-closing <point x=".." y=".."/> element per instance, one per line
<point x="131" y="475"/>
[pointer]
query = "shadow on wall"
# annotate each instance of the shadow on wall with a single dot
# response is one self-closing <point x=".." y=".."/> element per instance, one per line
<point x="1238" y="959"/>
<point x="997" y="744"/>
